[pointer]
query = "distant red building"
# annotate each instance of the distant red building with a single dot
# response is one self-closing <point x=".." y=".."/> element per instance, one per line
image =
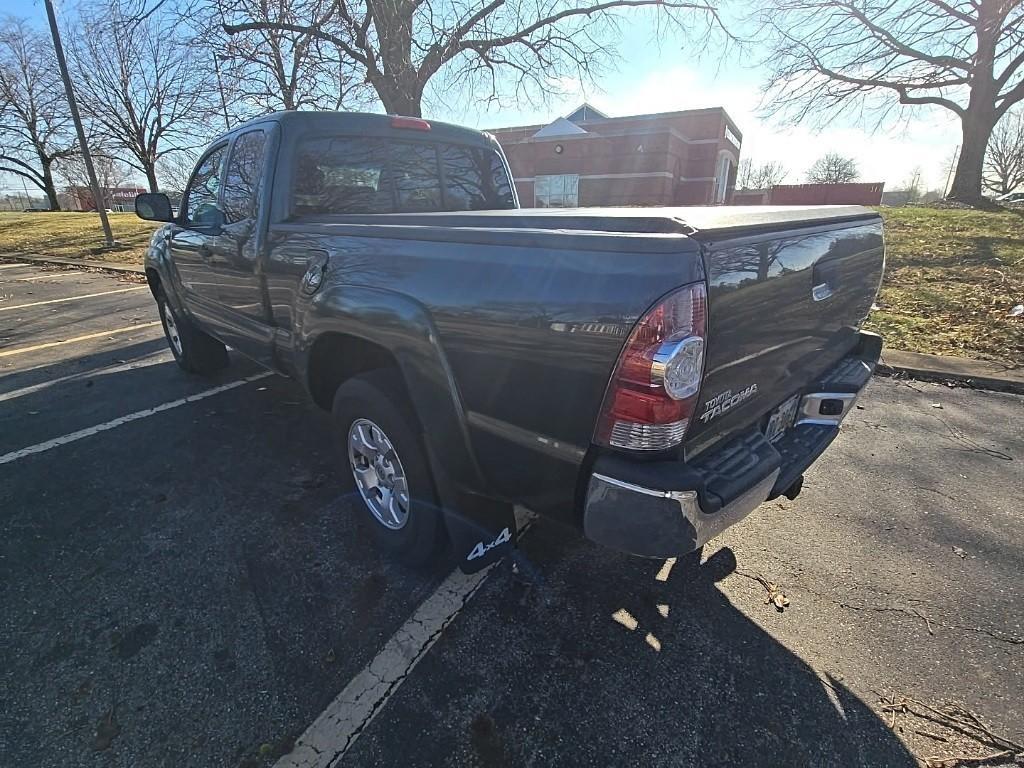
<point x="117" y="198"/>
<point x="853" y="193"/>
<point x="588" y="158"/>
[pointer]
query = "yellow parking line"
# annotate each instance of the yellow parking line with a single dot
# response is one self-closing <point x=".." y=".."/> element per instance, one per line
<point x="75" y="298"/>
<point x="12" y="266"/>
<point x="86" y="337"/>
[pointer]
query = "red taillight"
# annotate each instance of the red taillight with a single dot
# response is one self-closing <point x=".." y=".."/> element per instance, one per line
<point x="409" y="123"/>
<point x="654" y="388"/>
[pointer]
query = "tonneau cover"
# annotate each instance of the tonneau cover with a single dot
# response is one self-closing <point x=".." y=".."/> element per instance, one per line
<point x="704" y="222"/>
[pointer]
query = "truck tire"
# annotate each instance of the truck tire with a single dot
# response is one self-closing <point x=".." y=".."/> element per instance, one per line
<point x="382" y="451"/>
<point x="193" y="350"/>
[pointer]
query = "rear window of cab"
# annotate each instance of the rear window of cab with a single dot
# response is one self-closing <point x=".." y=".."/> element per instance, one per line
<point x="352" y="175"/>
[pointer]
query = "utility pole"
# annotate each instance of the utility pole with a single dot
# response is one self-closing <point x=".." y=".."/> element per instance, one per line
<point x="62" y="64"/>
<point x="952" y="165"/>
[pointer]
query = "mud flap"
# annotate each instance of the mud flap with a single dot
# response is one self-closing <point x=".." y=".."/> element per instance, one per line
<point x="481" y="532"/>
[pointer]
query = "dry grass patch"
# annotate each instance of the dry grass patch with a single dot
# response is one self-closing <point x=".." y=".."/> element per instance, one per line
<point x="951" y="279"/>
<point x="74" y="235"/>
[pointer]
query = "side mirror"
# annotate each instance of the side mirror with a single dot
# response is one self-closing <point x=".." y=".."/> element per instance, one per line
<point x="153" y="206"/>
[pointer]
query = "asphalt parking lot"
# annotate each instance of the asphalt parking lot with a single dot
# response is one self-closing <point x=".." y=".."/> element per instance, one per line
<point x="193" y="585"/>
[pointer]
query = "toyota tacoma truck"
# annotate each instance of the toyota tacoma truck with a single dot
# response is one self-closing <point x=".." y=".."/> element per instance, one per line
<point x="648" y="375"/>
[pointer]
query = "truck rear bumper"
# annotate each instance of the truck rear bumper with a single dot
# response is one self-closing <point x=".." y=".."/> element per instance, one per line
<point x="669" y="508"/>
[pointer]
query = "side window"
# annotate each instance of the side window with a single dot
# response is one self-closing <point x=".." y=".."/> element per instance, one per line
<point x="201" y="195"/>
<point x="503" y="197"/>
<point x="242" y="178"/>
<point x="474" y="179"/>
<point x="341" y="175"/>
<point x="415" y="176"/>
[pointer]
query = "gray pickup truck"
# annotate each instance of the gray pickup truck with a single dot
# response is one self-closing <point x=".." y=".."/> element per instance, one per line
<point x="648" y="375"/>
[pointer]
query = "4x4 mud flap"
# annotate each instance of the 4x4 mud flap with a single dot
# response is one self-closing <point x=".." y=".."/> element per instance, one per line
<point x="481" y="533"/>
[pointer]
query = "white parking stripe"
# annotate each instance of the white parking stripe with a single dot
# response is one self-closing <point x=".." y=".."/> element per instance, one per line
<point x="333" y="733"/>
<point x="86" y="337"/>
<point x="49" y="275"/>
<point x="75" y="298"/>
<point x="7" y="458"/>
<point x="153" y="358"/>
<point x="12" y="266"/>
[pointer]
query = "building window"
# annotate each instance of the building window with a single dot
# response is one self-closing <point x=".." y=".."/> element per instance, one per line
<point x="557" y="191"/>
<point x="722" y="177"/>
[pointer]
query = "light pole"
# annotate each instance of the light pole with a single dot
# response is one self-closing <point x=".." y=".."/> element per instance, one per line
<point x="62" y="64"/>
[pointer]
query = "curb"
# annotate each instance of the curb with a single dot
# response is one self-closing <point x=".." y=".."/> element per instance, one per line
<point x="959" y="371"/>
<point x="85" y="263"/>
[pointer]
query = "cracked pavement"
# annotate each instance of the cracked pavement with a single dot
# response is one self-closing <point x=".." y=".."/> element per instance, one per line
<point x="539" y="673"/>
<point x="194" y="588"/>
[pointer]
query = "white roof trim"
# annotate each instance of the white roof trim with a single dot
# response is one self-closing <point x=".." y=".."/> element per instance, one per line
<point x="559" y="127"/>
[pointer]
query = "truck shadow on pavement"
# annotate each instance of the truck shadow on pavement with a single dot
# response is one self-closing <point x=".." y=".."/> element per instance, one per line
<point x="545" y="668"/>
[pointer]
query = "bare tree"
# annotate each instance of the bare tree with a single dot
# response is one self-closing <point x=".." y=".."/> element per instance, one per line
<point x="111" y="174"/>
<point x="908" y="192"/>
<point x="139" y="84"/>
<point x="829" y="57"/>
<point x="400" y="45"/>
<point x="175" y="171"/>
<point x="35" y="126"/>
<point x="1004" y="161"/>
<point x="833" y="168"/>
<point x="271" y="68"/>
<point x="762" y="176"/>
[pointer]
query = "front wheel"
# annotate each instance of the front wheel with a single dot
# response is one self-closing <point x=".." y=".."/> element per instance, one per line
<point x="193" y="350"/>
<point x="383" y="452"/>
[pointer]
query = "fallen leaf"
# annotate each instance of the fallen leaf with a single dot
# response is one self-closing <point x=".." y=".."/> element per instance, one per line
<point x="106" y="731"/>
<point x="959" y="552"/>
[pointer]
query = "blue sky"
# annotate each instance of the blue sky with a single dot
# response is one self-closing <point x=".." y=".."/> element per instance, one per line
<point x="652" y="77"/>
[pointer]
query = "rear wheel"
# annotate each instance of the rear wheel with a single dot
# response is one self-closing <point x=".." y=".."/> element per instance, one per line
<point x="193" y="350"/>
<point x="383" y="452"/>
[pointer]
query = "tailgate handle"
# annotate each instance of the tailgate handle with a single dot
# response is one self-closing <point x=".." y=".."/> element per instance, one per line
<point x="824" y="280"/>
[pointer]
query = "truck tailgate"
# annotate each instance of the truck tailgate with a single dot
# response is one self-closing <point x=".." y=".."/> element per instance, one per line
<point x="784" y="305"/>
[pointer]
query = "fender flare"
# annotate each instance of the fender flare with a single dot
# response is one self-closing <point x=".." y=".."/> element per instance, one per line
<point x="405" y="328"/>
<point x="158" y="260"/>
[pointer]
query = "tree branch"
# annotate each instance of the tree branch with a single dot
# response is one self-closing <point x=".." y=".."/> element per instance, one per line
<point x="234" y="29"/>
<point x="522" y="34"/>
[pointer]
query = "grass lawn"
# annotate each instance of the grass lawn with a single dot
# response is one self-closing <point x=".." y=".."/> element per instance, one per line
<point x="72" y="235"/>
<point x="951" y="275"/>
<point x="951" y="278"/>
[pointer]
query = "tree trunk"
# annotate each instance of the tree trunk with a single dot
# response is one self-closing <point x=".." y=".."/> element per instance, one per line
<point x="398" y="83"/>
<point x="977" y="128"/>
<point x="49" y="188"/>
<point x="154" y="186"/>
<point x="398" y="100"/>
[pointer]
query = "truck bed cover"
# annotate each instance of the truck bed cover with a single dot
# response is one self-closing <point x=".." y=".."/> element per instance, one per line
<point x="701" y="222"/>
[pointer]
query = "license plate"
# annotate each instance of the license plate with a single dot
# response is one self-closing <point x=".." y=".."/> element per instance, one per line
<point x="782" y="419"/>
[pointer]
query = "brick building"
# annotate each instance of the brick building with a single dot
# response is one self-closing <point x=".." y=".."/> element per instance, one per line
<point x="121" y="199"/>
<point x="588" y="158"/>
